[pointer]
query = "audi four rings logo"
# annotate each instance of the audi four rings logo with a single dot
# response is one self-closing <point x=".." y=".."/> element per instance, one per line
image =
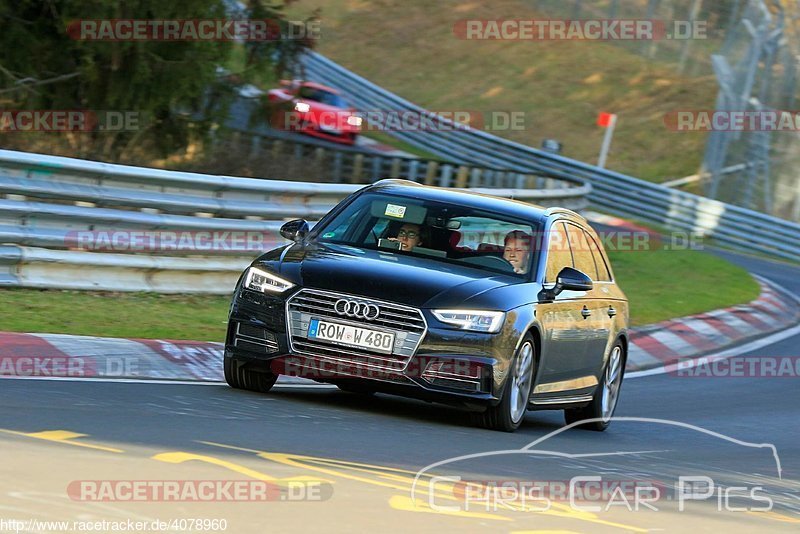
<point x="354" y="308"/>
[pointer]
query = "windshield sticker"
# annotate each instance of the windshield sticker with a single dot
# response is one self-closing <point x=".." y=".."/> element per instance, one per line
<point x="393" y="210"/>
<point x="328" y="234"/>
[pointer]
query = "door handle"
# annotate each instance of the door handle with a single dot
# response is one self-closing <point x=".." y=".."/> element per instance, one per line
<point x="586" y="312"/>
<point x="611" y="311"/>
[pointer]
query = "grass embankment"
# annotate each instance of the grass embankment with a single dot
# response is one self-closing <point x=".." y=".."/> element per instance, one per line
<point x="409" y="48"/>
<point x="659" y="284"/>
<point x="140" y="315"/>
<point x="663" y="284"/>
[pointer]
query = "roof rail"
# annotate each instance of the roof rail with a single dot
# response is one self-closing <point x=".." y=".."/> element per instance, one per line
<point x="552" y="211"/>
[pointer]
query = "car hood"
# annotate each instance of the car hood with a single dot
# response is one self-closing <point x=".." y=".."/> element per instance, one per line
<point x="315" y="106"/>
<point x="401" y="278"/>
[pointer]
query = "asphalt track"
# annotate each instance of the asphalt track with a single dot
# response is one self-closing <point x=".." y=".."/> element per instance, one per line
<point x="348" y="463"/>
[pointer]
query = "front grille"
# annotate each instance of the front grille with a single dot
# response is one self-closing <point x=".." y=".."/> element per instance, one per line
<point x="405" y="322"/>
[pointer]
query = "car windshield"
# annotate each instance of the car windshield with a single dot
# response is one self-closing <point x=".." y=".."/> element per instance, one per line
<point x="324" y="97"/>
<point x="440" y="231"/>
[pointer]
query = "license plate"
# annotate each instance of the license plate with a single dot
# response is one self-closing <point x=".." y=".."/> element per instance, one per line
<point x="353" y="336"/>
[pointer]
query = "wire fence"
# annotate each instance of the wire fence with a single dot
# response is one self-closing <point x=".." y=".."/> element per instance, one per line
<point x="752" y="48"/>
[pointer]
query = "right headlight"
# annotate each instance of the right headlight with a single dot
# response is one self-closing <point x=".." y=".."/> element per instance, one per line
<point x="473" y="320"/>
<point x="266" y="282"/>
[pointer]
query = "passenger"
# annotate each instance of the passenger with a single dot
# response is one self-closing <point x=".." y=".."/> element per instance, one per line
<point x="517" y="251"/>
<point x="409" y="236"/>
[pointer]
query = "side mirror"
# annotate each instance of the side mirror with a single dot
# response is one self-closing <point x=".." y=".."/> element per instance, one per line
<point x="573" y="280"/>
<point x="295" y="230"/>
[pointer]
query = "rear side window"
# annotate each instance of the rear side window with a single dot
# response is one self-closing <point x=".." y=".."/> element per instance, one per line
<point x="581" y="253"/>
<point x="558" y="253"/>
<point x="603" y="274"/>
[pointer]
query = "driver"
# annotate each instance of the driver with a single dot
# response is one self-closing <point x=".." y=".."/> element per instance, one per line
<point x="517" y="250"/>
<point x="409" y="236"/>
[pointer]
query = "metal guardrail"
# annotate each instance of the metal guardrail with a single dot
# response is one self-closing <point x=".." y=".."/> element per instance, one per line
<point x="67" y="269"/>
<point x="611" y="192"/>
<point x="52" y="203"/>
<point x="356" y="165"/>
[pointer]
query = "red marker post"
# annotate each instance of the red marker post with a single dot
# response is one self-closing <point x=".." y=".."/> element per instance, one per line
<point x="609" y="122"/>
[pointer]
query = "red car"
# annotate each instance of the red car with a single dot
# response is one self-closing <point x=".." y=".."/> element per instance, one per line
<point x="314" y="109"/>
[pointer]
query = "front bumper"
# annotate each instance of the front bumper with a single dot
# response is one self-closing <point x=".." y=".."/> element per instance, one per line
<point x="448" y="365"/>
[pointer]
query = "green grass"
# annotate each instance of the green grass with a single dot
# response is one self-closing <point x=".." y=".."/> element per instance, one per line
<point x="659" y="284"/>
<point x="141" y="315"/>
<point x="663" y="284"/>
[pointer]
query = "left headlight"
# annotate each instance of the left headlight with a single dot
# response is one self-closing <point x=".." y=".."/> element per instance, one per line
<point x="354" y="120"/>
<point x="260" y="280"/>
<point x="475" y="320"/>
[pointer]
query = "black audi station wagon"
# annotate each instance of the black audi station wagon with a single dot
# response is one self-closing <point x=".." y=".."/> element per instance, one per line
<point x="444" y="295"/>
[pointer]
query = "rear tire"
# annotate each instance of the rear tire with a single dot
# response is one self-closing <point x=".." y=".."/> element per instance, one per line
<point x="508" y="415"/>
<point x="239" y="377"/>
<point x="605" y="399"/>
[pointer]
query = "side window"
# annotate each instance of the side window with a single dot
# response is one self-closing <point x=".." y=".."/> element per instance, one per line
<point x="558" y="254"/>
<point x="581" y="253"/>
<point x="339" y="232"/>
<point x="603" y="275"/>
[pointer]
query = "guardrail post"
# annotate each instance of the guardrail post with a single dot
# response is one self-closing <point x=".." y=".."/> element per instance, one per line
<point x="413" y="167"/>
<point x="488" y="176"/>
<point x="446" y="174"/>
<point x="277" y="147"/>
<point x="430" y="175"/>
<point x="394" y="172"/>
<point x="520" y="181"/>
<point x="255" y="146"/>
<point x="475" y="177"/>
<point x="319" y="155"/>
<point x="530" y="181"/>
<point x="377" y="163"/>
<point x="358" y="164"/>
<point x="337" y="167"/>
<point x="461" y="176"/>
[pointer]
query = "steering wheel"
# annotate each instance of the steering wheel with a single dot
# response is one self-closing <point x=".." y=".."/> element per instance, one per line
<point x="493" y="262"/>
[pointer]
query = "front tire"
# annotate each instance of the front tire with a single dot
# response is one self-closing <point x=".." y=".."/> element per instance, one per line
<point x="239" y="377"/>
<point x="604" y="402"/>
<point x="508" y="415"/>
